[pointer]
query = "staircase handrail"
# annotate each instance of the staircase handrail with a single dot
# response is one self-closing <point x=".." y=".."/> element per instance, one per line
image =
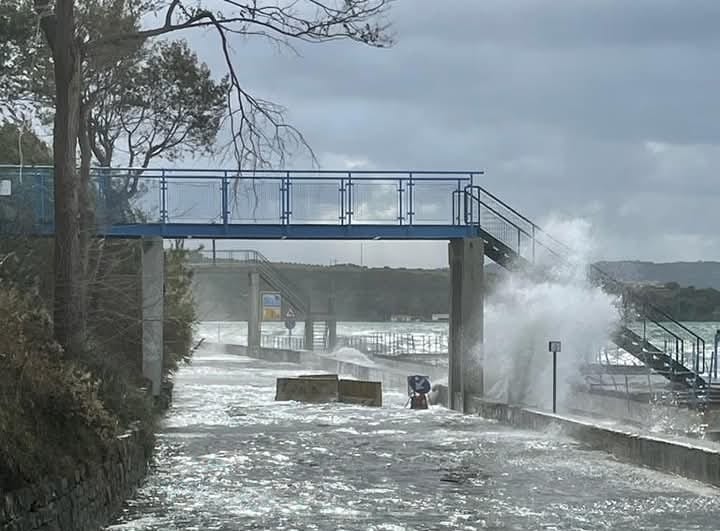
<point x="536" y="230"/>
<point x="272" y="274"/>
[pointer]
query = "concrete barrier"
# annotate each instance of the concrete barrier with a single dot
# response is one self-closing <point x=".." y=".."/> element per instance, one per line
<point x="693" y="459"/>
<point x="313" y="390"/>
<point x="322" y="388"/>
<point x="360" y="392"/>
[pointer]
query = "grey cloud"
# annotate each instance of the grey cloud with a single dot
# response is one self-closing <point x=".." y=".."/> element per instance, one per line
<point x="600" y="109"/>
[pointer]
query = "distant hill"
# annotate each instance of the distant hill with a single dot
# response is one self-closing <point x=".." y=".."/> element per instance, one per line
<point x="376" y="294"/>
<point x="361" y="293"/>
<point x="685" y="274"/>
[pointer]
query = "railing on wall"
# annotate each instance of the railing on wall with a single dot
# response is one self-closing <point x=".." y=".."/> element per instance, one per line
<point x="282" y="342"/>
<point x="394" y="344"/>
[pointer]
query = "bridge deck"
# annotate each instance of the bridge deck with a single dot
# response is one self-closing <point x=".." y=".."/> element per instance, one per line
<point x="284" y="232"/>
<point x="267" y="204"/>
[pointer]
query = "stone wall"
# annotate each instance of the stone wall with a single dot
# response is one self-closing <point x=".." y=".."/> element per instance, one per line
<point x="84" y="502"/>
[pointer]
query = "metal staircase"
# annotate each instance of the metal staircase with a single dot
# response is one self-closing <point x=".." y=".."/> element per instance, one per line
<point x="320" y="336"/>
<point x="279" y="282"/>
<point x="250" y="258"/>
<point x="652" y="336"/>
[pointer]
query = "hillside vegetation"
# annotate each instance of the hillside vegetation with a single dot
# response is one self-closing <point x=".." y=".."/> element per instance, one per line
<point x="59" y="408"/>
<point x="376" y="294"/>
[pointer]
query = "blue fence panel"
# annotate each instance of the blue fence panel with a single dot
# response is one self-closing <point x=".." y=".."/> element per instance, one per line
<point x="255" y="200"/>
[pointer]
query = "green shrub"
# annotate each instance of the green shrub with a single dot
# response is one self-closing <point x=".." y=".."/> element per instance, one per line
<point x="57" y="410"/>
<point x="51" y="414"/>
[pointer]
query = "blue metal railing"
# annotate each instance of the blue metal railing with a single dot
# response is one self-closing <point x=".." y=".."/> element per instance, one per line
<point x="271" y="197"/>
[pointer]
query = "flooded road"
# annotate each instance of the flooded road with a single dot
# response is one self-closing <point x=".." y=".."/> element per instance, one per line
<point x="228" y="458"/>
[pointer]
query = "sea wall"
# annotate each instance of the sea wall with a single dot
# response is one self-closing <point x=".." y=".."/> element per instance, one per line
<point x="693" y="459"/>
<point x="84" y="501"/>
<point x="392" y="377"/>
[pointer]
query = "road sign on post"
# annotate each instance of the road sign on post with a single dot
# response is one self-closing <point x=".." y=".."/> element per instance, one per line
<point x="271" y="306"/>
<point x="554" y="347"/>
<point x="290" y="320"/>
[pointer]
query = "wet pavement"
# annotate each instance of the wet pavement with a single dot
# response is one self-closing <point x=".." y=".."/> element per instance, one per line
<point x="229" y="457"/>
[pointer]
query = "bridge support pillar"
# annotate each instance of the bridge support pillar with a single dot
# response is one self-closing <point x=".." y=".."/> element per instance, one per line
<point x="331" y="325"/>
<point x="254" y="326"/>
<point x="153" y="294"/>
<point x="465" y="375"/>
<point x="309" y="340"/>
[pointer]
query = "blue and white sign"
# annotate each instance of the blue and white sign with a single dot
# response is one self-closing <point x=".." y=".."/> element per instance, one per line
<point x="271" y="306"/>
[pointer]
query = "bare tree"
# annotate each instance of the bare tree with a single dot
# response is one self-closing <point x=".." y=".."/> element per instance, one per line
<point x="260" y="133"/>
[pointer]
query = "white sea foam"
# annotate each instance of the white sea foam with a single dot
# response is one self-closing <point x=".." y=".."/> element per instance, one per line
<point x="522" y="316"/>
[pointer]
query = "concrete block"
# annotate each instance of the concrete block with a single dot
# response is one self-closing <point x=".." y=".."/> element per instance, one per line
<point x="313" y="390"/>
<point x="361" y="392"/>
<point x="320" y="388"/>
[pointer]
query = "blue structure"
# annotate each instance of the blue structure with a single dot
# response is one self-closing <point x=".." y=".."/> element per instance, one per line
<point x="264" y="204"/>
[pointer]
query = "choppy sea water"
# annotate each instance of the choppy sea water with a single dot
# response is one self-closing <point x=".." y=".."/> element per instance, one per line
<point x="229" y="457"/>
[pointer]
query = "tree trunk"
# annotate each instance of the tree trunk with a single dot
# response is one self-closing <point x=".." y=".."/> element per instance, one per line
<point x="68" y="313"/>
<point x="87" y="217"/>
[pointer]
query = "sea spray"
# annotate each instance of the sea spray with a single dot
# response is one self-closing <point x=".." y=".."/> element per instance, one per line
<point x="522" y="315"/>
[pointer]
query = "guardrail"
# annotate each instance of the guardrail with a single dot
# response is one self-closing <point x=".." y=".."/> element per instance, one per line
<point x="393" y="344"/>
<point x="210" y="196"/>
<point x="282" y="342"/>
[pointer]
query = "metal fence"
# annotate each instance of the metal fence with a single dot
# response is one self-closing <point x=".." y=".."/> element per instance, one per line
<point x="282" y="342"/>
<point x="398" y="344"/>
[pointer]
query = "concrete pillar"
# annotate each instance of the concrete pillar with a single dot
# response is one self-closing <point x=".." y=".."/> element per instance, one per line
<point x="332" y="324"/>
<point x="466" y="320"/>
<point x="309" y="341"/>
<point x="254" y="324"/>
<point x="153" y="291"/>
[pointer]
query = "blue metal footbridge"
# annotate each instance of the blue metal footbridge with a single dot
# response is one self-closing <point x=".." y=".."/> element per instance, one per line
<point x="344" y="205"/>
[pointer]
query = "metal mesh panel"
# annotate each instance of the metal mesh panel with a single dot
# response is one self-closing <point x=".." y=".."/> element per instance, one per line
<point x="253" y="200"/>
<point x="375" y="202"/>
<point x="315" y="202"/>
<point x="193" y="200"/>
<point x="432" y="202"/>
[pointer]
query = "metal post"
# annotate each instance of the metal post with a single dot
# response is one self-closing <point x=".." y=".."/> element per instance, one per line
<point x="287" y="198"/>
<point x="409" y="202"/>
<point x="533" y="244"/>
<point x="341" y="211"/>
<point x="349" y="199"/>
<point x="213" y="251"/>
<point x="400" y="202"/>
<point x="224" y="200"/>
<point x="163" y="198"/>
<point x="554" y="382"/>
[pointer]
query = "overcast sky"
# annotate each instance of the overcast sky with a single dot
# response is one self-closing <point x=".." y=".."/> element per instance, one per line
<point x="601" y="110"/>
